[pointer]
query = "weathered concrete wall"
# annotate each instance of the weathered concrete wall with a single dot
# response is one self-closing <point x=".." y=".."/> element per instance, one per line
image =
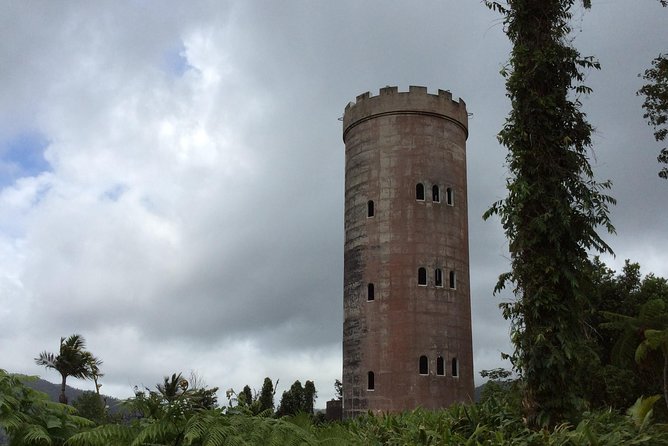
<point x="394" y="141"/>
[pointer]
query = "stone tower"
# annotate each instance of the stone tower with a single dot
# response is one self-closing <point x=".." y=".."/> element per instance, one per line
<point x="407" y="311"/>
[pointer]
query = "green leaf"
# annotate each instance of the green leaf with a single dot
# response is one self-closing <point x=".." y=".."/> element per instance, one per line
<point x="641" y="412"/>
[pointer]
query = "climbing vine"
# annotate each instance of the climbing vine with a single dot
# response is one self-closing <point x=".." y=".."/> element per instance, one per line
<point x="554" y="206"/>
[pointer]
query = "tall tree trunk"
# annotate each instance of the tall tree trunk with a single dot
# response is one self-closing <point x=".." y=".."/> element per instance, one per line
<point x="63" y="398"/>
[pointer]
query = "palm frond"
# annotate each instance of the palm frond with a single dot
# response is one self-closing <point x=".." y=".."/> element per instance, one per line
<point x="46" y="359"/>
<point x="73" y="342"/>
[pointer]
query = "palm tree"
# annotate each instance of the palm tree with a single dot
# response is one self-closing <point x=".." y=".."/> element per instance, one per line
<point x="173" y="388"/>
<point x="72" y="360"/>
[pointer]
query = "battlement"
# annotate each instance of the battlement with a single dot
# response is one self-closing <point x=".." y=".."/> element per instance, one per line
<point x="417" y="100"/>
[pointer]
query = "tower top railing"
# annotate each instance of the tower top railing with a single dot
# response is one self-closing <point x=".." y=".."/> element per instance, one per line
<point x="417" y="100"/>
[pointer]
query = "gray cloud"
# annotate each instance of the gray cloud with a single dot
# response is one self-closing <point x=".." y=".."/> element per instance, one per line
<point x="191" y="218"/>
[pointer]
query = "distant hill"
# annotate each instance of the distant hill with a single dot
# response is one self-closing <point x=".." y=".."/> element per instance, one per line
<point x="53" y="391"/>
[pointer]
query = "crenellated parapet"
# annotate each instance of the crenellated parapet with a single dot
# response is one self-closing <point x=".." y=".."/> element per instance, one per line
<point x="390" y="101"/>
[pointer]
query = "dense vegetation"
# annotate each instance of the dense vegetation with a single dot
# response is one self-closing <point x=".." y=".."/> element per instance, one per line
<point x="176" y="415"/>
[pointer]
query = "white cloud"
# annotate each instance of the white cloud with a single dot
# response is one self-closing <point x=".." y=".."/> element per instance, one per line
<point x="192" y="218"/>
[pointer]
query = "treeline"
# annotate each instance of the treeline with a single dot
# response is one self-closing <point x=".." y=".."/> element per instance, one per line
<point x="180" y="419"/>
<point x="297" y="399"/>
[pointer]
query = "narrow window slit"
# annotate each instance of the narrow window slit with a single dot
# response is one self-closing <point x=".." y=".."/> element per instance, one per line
<point x="422" y="276"/>
<point x="424" y="365"/>
<point x="440" y="366"/>
<point x="419" y="192"/>
<point x="438" y="277"/>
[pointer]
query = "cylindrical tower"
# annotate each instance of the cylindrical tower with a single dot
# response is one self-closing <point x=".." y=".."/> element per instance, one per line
<point x="407" y="311"/>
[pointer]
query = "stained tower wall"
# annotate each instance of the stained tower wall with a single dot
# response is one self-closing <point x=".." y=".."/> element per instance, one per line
<point x="393" y="142"/>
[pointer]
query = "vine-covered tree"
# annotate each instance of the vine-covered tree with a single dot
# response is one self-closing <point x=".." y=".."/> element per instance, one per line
<point x="553" y="208"/>
<point x="656" y="104"/>
<point x="72" y="360"/>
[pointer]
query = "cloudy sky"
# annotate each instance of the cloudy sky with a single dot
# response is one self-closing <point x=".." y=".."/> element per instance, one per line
<point x="171" y="173"/>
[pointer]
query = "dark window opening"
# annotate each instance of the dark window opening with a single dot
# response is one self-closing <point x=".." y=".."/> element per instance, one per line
<point x="440" y="366"/>
<point x="369" y="209"/>
<point x="453" y="280"/>
<point x="370" y="384"/>
<point x="422" y="276"/>
<point x="438" y="277"/>
<point x="419" y="192"/>
<point x="435" y="194"/>
<point x="424" y="365"/>
<point x="449" y="196"/>
<point x="455" y="367"/>
<point x="370" y="295"/>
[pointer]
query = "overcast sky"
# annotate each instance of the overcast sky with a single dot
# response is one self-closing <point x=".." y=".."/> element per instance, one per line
<point x="171" y="173"/>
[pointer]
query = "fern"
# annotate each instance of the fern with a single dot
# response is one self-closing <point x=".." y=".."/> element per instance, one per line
<point x="34" y="435"/>
<point x="106" y="435"/>
<point x="159" y="432"/>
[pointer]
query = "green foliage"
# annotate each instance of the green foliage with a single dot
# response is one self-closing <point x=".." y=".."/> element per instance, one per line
<point x="249" y="402"/>
<point x="501" y="388"/>
<point x="641" y="412"/>
<point x="266" y="398"/>
<point x="297" y="399"/>
<point x="246" y="396"/>
<point x="310" y="394"/>
<point x="656" y="340"/>
<point x="656" y="102"/>
<point x="642" y="335"/>
<point x="338" y="389"/>
<point x="553" y="208"/>
<point x="491" y="423"/>
<point x="91" y="406"/>
<point x="159" y="416"/>
<point x="31" y="419"/>
<point x="72" y="360"/>
<point x="614" y="378"/>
